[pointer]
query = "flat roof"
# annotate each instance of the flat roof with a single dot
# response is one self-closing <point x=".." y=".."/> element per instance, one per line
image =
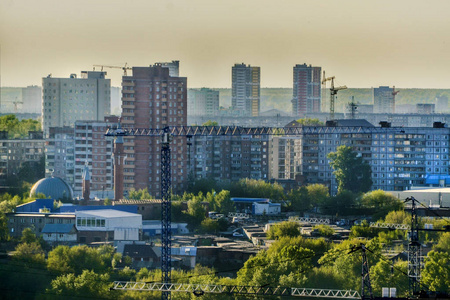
<point x="106" y="213"/>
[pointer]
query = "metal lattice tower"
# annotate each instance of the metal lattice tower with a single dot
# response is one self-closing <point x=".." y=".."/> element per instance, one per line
<point x="414" y="250"/>
<point x="166" y="238"/>
<point x="365" y="277"/>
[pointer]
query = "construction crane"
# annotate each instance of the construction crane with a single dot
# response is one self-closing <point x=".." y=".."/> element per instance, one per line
<point x="414" y="246"/>
<point x="15" y="104"/>
<point x="394" y="93"/>
<point x="166" y="135"/>
<point x="124" y="68"/>
<point x="333" y="92"/>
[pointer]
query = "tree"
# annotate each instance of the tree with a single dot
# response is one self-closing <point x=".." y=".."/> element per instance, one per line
<point x="63" y="259"/>
<point x="386" y="274"/>
<point x="300" y="199"/>
<point x="30" y="252"/>
<point x="324" y="230"/>
<point x="283" y="229"/>
<point x="381" y="203"/>
<point x="351" y="171"/>
<point x="318" y="193"/>
<point x="210" y="123"/>
<point x="141" y="194"/>
<point x="87" y="285"/>
<point x="436" y="272"/>
<point x="310" y="122"/>
<point x="443" y="243"/>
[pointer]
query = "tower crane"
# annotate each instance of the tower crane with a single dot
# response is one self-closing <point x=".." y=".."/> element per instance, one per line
<point x="124" y="68"/>
<point x="394" y="93"/>
<point x="333" y="92"/>
<point x="166" y="135"/>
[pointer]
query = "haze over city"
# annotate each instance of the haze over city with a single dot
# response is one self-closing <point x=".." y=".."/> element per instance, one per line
<point x="364" y="44"/>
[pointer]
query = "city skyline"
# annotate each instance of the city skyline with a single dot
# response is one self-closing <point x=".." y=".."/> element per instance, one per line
<point x="399" y="43"/>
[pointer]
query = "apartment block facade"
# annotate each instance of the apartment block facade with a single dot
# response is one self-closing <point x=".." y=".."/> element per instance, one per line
<point x="307" y="92"/>
<point x="14" y="153"/>
<point x="68" y="149"/>
<point x="383" y="100"/>
<point x="151" y="98"/>
<point x="230" y="158"/>
<point x="400" y="157"/>
<point x="245" y="90"/>
<point x="203" y="102"/>
<point x="59" y="154"/>
<point x="66" y="100"/>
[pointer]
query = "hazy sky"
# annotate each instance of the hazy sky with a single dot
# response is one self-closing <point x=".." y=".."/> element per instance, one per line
<point x="363" y="43"/>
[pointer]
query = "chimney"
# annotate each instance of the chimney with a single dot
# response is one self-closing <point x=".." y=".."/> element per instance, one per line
<point x="119" y="160"/>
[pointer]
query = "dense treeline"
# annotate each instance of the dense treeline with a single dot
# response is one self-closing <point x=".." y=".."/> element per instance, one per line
<point x="18" y="129"/>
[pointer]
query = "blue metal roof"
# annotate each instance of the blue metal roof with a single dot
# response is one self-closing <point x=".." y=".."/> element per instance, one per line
<point x="35" y="206"/>
<point x="57" y="228"/>
<point x="74" y="208"/>
<point x="250" y="200"/>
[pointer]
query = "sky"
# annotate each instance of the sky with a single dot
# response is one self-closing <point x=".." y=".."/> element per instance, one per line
<point x="363" y="43"/>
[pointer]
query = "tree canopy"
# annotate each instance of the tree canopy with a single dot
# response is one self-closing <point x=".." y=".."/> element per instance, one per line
<point x="16" y="128"/>
<point x="351" y="171"/>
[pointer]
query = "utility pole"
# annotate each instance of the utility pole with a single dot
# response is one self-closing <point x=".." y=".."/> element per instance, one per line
<point x="414" y="250"/>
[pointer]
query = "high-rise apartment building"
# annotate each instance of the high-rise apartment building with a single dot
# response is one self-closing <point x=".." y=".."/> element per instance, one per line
<point x="383" y="100"/>
<point x="68" y="149"/>
<point x="32" y="99"/>
<point x="66" y="100"/>
<point x="203" y="102"/>
<point x="151" y="98"/>
<point x="306" y="90"/>
<point x="245" y="93"/>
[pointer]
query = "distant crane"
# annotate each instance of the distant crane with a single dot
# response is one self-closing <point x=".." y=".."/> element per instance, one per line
<point x="353" y="107"/>
<point x="333" y="92"/>
<point x="124" y="68"/>
<point x="394" y="93"/>
<point x="15" y="104"/>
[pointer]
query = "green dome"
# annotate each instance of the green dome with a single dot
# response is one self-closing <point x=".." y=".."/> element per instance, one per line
<point x="53" y="187"/>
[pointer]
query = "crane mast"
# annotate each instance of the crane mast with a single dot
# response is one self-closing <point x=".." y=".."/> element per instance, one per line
<point x="333" y="93"/>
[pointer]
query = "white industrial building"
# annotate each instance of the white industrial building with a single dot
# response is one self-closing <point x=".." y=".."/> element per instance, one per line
<point x="107" y="225"/>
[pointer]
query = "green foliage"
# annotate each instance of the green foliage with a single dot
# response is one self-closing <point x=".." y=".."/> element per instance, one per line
<point x="283" y="229"/>
<point x="324" y="230"/>
<point x="443" y="243"/>
<point x="196" y="210"/>
<point x="381" y="203"/>
<point x="351" y="171"/>
<point x="398" y="217"/>
<point x="310" y="122"/>
<point x="209" y="226"/>
<point x="18" y="129"/>
<point x="436" y="272"/>
<point x="318" y="193"/>
<point x="30" y="253"/>
<point x="141" y="194"/>
<point x="210" y="123"/>
<point x="63" y="259"/>
<point x="347" y="266"/>
<point x="257" y="189"/>
<point x="286" y="267"/>
<point x="299" y="199"/>
<point x="340" y="205"/>
<point x="220" y="202"/>
<point x="107" y="201"/>
<point x="87" y="285"/>
<point x="386" y="274"/>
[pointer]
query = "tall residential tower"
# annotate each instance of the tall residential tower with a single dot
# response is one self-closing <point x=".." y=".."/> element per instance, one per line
<point x="383" y="100"/>
<point x="151" y="98"/>
<point x="66" y="100"/>
<point x="306" y="92"/>
<point x="246" y="83"/>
